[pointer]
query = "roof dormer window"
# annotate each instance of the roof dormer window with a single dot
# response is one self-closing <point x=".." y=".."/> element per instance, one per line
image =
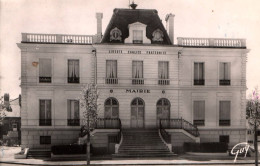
<point x="137" y="34"/>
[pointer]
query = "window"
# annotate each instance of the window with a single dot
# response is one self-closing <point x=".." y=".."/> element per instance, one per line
<point x="45" y="70"/>
<point x="73" y="71"/>
<point x="249" y="132"/>
<point x="224" y="73"/>
<point x="163" y="73"/>
<point x="163" y="110"/>
<point x="14" y="125"/>
<point x="138" y="36"/>
<point x="45" y="113"/>
<point x="224" y="113"/>
<point x="137" y="72"/>
<point x="45" y="140"/>
<point x="199" y="113"/>
<point x="111" y="108"/>
<point x="111" y="72"/>
<point x="224" y="138"/>
<point x="73" y="112"/>
<point x="199" y="73"/>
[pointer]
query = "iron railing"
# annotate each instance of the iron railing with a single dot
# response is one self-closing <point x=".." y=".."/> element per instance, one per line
<point x="224" y="122"/>
<point x="45" y="122"/>
<point x="45" y="79"/>
<point x="166" y="137"/>
<point x="179" y="124"/>
<point x="199" y="82"/>
<point x="224" y="82"/>
<point x="73" y="122"/>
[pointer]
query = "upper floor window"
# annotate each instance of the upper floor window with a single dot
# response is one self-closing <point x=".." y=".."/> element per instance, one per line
<point x="137" y="36"/>
<point x="163" y="73"/>
<point x="45" y="70"/>
<point x="73" y="112"/>
<point x="73" y="71"/>
<point x="137" y="72"/>
<point x="45" y="113"/>
<point x="224" y="73"/>
<point x="199" y="113"/>
<point x="111" y="72"/>
<point x="224" y="113"/>
<point x="199" y="73"/>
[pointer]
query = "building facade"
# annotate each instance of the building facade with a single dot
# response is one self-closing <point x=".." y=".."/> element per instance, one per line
<point x="195" y="90"/>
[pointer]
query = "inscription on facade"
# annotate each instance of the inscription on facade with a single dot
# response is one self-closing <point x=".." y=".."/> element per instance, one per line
<point x="137" y="91"/>
<point x="134" y="52"/>
<point x="115" y="51"/>
<point x="156" y="52"/>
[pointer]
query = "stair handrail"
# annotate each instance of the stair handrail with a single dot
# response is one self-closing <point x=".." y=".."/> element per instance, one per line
<point x="180" y="124"/>
<point x="165" y="136"/>
<point x="120" y="138"/>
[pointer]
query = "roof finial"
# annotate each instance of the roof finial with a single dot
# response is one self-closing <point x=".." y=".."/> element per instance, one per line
<point x="133" y="5"/>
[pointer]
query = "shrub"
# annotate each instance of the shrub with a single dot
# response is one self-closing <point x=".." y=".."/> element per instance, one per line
<point x="206" y="147"/>
<point x="69" y="149"/>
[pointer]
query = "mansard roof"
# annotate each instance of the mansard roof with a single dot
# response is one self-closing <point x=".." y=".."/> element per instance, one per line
<point x="123" y="17"/>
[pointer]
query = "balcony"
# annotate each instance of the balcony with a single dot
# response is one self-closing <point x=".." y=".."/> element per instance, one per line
<point x="199" y="122"/>
<point x="164" y="82"/>
<point x="45" y="122"/>
<point x="73" y="79"/>
<point x="224" y="82"/>
<point x="111" y="80"/>
<point x="211" y="42"/>
<point x="137" y="81"/>
<point x="224" y="122"/>
<point x="73" y="122"/>
<point x="45" y="79"/>
<point x="199" y="82"/>
<point x="56" y="38"/>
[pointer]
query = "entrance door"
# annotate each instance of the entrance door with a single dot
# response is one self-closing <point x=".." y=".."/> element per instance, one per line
<point x="137" y="113"/>
<point x="163" y="111"/>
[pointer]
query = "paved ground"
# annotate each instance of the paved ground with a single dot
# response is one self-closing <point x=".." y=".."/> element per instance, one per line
<point x="7" y="158"/>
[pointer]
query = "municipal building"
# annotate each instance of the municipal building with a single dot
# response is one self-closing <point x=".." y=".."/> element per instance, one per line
<point x="151" y="91"/>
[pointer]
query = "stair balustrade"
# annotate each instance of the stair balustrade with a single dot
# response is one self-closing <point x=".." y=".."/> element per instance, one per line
<point x="179" y="124"/>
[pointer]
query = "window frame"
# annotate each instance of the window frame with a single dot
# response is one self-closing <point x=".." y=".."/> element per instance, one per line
<point x="44" y="78"/>
<point x="72" y="121"/>
<point x="73" y="80"/>
<point x="199" y="122"/>
<point x="136" y="37"/>
<point x="224" y="121"/>
<point x="225" y="81"/>
<point x="44" y="121"/>
<point x="114" y="79"/>
<point x="199" y="82"/>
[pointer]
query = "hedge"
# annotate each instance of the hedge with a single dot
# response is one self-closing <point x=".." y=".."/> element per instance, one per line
<point x="69" y="149"/>
<point x="206" y="147"/>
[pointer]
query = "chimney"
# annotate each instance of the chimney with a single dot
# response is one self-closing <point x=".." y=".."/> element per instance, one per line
<point x="7" y="102"/>
<point x="99" y="17"/>
<point x="169" y="26"/>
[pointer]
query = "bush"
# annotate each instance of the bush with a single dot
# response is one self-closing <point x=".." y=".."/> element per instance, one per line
<point x="69" y="149"/>
<point x="207" y="147"/>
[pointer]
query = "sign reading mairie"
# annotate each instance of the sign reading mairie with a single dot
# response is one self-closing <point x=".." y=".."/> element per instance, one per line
<point x="137" y="91"/>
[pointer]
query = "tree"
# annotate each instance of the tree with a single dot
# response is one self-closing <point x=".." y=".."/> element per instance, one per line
<point x="88" y="102"/>
<point x="253" y="111"/>
<point x="2" y="111"/>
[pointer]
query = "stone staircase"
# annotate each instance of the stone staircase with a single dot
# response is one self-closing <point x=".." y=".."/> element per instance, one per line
<point x="38" y="153"/>
<point x="142" y="143"/>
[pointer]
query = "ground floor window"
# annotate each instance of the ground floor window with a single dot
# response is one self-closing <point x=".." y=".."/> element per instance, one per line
<point x="45" y="140"/>
<point x="111" y="108"/>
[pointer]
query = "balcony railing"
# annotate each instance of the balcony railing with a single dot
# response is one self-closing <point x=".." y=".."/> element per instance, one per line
<point x="224" y="122"/>
<point x="224" y="82"/>
<point x="108" y="123"/>
<point x="211" y="42"/>
<point x="199" y="122"/>
<point x="137" y="81"/>
<point x="45" y="79"/>
<point x="56" y="38"/>
<point x="73" y="122"/>
<point x="111" y="81"/>
<point x="199" y="82"/>
<point x="45" y="122"/>
<point x="164" y="82"/>
<point x="73" y="79"/>
<point x="179" y="124"/>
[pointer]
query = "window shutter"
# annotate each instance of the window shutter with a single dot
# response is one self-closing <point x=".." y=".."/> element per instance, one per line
<point x="224" y="110"/>
<point x="199" y="110"/>
<point x="48" y="109"/>
<point x="69" y="109"/>
<point x="45" y="67"/>
<point x="76" y="109"/>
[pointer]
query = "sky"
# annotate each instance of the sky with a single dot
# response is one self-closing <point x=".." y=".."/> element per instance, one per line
<point x="193" y="18"/>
